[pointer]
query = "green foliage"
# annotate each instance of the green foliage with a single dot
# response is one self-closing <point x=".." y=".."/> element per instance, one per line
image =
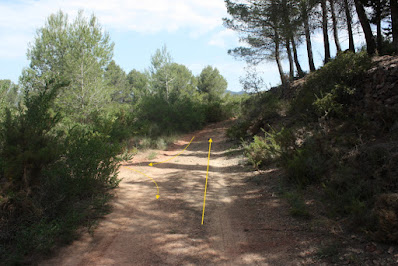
<point x="158" y="117"/>
<point x="329" y="89"/>
<point x="263" y="108"/>
<point x="263" y="149"/>
<point x="297" y="204"/>
<point x="56" y="180"/>
<point x="116" y="80"/>
<point x="79" y="51"/>
<point x="239" y="130"/>
<point x="138" y="83"/>
<point x="264" y="105"/>
<point x="354" y="185"/>
<point x="212" y="84"/>
<point x="334" y="103"/>
<point x="215" y="112"/>
<point x="305" y="165"/>
<point x="28" y="143"/>
<point x="9" y="96"/>
<point x="233" y="104"/>
<point x="152" y="155"/>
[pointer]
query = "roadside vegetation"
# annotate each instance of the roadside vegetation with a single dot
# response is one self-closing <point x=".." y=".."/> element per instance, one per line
<point x="73" y="117"/>
<point x="333" y="130"/>
<point x="326" y="141"/>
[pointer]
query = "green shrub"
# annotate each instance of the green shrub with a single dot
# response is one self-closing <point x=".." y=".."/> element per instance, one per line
<point x="160" y="144"/>
<point x="262" y="105"/>
<point x="215" y="112"/>
<point x="335" y="102"/>
<point x="239" y="130"/>
<point x="56" y="180"/>
<point x="304" y="166"/>
<point x="158" y="117"/>
<point x="263" y="149"/>
<point x="334" y="81"/>
<point x="232" y="104"/>
<point x="297" y="204"/>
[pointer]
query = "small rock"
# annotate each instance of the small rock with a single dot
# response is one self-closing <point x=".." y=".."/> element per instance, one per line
<point x="370" y="248"/>
<point x="390" y="250"/>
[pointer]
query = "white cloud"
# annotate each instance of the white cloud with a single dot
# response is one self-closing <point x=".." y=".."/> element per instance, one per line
<point x="223" y="37"/>
<point x="19" y="19"/>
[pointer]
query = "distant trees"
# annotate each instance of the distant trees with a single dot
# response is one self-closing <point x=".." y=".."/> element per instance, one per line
<point x="266" y="26"/>
<point x="171" y="99"/>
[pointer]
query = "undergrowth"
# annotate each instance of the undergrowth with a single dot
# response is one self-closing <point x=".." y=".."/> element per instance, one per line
<point x="52" y="181"/>
<point x="324" y="142"/>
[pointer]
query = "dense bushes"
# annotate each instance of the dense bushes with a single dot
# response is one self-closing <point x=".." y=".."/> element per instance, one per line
<point x="304" y="164"/>
<point x="52" y="180"/>
<point x="326" y="141"/>
<point x="157" y="116"/>
<point x="327" y="91"/>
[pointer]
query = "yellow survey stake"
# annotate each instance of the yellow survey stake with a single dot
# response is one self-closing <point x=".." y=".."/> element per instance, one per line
<point x="207" y="177"/>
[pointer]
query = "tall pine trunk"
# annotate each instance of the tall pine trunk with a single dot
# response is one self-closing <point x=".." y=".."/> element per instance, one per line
<point x="278" y="59"/>
<point x="325" y="31"/>
<point x="370" y="41"/>
<point x="335" y="31"/>
<point x="394" y="19"/>
<point x="379" y="37"/>
<point x="289" y="56"/>
<point x="351" y="46"/>
<point x="296" y="61"/>
<point x="304" y="13"/>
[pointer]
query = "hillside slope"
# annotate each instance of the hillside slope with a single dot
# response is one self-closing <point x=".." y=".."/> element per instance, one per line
<point x="334" y="133"/>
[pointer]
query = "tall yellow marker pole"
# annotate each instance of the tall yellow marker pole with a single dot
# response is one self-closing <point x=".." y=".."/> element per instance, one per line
<point x="207" y="177"/>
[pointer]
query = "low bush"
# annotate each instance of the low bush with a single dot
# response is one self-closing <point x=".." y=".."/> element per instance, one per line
<point x="274" y="145"/>
<point x="297" y="204"/>
<point x="329" y="87"/>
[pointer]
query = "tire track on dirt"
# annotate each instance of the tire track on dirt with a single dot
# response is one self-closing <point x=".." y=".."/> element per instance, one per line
<point x="143" y="230"/>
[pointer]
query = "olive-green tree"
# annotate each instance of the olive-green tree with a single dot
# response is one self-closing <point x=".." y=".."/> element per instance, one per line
<point x="80" y="51"/>
<point x="212" y="84"/>
<point x="138" y="83"/>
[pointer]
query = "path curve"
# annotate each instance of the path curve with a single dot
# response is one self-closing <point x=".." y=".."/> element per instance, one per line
<point x="245" y="223"/>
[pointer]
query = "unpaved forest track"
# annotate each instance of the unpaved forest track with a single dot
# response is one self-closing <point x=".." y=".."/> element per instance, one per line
<point x="244" y="223"/>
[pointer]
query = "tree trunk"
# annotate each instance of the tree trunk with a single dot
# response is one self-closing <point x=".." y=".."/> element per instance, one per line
<point x="308" y="40"/>
<point x="278" y="60"/>
<point x="394" y="19"/>
<point x="325" y="31"/>
<point x="370" y="41"/>
<point x="335" y="31"/>
<point x="289" y="56"/>
<point x="379" y="37"/>
<point x="296" y="61"/>
<point x="351" y="46"/>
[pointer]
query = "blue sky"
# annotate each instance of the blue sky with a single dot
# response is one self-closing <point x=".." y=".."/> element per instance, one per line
<point x="191" y="29"/>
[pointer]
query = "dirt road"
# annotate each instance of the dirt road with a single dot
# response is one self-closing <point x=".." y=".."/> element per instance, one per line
<point x="245" y="221"/>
